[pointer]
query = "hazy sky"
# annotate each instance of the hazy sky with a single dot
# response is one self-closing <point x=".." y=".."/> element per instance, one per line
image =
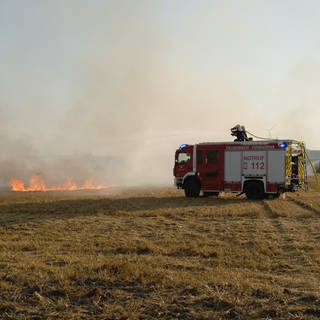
<point x="119" y="78"/>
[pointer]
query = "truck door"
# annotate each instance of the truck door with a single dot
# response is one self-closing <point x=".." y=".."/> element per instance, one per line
<point x="210" y="168"/>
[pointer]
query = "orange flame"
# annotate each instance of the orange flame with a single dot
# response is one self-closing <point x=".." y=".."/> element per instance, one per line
<point x="37" y="183"/>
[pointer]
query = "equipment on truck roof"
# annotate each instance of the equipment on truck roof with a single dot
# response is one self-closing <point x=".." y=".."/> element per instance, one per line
<point x="240" y="132"/>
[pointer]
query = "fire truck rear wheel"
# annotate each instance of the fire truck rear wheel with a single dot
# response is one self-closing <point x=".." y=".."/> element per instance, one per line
<point x="254" y="190"/>
<point x="192" y="188"/>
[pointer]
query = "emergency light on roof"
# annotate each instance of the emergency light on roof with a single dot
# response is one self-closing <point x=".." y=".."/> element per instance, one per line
<point x="283" y="144"/>
<point x="182" y="146"/>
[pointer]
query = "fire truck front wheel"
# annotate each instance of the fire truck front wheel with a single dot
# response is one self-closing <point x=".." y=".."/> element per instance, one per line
<point x="254" y="190"/>
<point x="191" y="188"/>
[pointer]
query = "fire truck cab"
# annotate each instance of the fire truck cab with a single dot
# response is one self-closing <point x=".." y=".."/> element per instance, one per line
<point x="256" y="168"/>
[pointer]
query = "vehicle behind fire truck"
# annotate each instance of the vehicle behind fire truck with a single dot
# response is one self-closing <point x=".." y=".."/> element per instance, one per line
<point x="256" y="168"/>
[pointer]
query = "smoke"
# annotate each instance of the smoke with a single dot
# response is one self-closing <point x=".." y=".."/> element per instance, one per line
<point x="139" y="111"/>
<point x="17" y="153"/>
<point x="137" y="103"/>
<point x="295" y="102"/>
<point x="114" y="88"/>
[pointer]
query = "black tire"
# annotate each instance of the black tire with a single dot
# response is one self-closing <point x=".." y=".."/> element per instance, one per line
<point x="254" y="190"/>
<point x="191" y="188"/>
<point x="276" y="195"/>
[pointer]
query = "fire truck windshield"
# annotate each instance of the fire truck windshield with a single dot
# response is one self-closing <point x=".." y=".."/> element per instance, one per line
<point x="183" y="157"/>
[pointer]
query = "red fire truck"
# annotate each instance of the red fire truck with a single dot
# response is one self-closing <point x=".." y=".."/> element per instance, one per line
<point x="256" y="168"/>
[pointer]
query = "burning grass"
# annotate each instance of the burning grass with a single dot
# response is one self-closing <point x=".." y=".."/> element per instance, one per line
<point x="157" y="255"/>
<point x="37" y="183"/>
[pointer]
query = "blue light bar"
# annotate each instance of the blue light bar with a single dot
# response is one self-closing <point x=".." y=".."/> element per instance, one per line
<point x="182" y="146"/>
<point x="283" y="144"/>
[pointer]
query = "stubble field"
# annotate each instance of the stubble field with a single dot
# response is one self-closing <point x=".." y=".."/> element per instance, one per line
<point x="153" y="254"/>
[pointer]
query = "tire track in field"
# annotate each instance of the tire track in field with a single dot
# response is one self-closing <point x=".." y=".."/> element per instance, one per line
<point x="305" y="205"/>
<point x="295" y="234"/>
<point x="276" y="214"/>
<point x="272" y="218"/>
<point x="269" y="211"/>
<point x="291" y="208"/>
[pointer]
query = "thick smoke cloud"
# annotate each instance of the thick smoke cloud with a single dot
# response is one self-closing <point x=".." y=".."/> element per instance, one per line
<point x="139" y="114"/>
<point x="110" y="90"/>
<point x="17" y="153"/>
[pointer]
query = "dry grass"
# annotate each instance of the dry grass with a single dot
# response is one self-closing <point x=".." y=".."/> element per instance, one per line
<point x="154" y="254"/>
